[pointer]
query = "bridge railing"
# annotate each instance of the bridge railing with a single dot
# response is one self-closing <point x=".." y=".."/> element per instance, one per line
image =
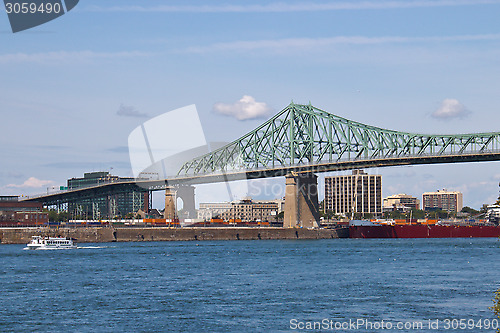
<point x="40" y="195"/>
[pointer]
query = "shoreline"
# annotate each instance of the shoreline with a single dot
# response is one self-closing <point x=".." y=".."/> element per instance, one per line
<point x="148" y="234"/>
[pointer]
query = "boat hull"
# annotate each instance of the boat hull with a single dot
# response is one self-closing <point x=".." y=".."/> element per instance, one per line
<point x="422" y="231"/>
<point x="34" y="246"/>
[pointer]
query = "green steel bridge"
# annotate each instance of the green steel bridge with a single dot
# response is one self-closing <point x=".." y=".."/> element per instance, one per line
<point x="305" y="139"/>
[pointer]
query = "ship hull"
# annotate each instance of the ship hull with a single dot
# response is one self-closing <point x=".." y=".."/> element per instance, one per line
<point x="422" y="231"/>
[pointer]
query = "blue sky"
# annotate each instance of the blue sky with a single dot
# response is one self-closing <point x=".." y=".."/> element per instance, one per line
<point x="73" y="89"/>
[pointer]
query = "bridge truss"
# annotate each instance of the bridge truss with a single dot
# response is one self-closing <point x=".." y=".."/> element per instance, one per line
<point x="303" y="135"/>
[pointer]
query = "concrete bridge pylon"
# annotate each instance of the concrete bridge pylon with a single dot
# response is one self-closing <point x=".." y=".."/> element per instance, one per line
<point x="186" y="193"/>
<point x="301" y="201"/>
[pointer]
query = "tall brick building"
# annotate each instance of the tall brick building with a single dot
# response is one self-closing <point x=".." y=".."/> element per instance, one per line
<point x="450" y="201"/>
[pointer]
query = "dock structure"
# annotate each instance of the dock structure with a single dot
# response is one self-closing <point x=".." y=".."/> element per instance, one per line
<point x="134" y="234"/>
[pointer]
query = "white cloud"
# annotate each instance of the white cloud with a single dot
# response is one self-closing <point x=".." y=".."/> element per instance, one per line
<point x="280" y="7"/>
<point x="450" y="109"/>
<point x="58" y="57"/>
<point x="31" y="182"/>
<point x="244" y="109"/>
<point x="285" y="44"/>
<point x="130" y="111"/>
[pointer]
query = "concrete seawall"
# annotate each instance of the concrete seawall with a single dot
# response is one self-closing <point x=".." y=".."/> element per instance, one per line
<point x="107" y="234"/>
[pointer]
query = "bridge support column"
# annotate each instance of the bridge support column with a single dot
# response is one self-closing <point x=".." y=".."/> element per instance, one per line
<point x="301" y="201"/>
<point x="186" y="193"/>
<point x="170" y="212"/>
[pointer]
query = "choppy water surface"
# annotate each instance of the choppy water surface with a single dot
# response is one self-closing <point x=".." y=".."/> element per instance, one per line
<point x="249" y="286"/>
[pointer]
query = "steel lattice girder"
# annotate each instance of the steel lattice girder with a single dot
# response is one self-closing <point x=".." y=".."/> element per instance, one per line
<point x="306" y="135"/>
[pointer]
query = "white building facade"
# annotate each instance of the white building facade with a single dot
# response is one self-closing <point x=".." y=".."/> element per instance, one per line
<point x="356" y="193"/>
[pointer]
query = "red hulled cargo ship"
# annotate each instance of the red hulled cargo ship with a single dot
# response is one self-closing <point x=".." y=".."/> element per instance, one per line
<point x="366" y="229"/>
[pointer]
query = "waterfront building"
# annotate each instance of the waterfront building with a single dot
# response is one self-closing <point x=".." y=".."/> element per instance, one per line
<point x="13" y="211"/>
<point x="450" y="201"/>
<point x="355" y="193"/>
<point x="400" y="202"/>
<point x="246" y="210"/>
<point x="211" y="210"/>
<point x="109" y="206"/>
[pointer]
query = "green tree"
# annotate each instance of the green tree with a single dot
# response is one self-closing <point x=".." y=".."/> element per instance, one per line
<point x="53" y="216"/>
<point x="326" y="215"/>
<point x="394" y="215"/>
<point x="418" y="214"/>
<point x="63" y="217"/>
<point x="439" y="214"/>
<point x="443" y="214"/>
<point x="470" y="211"/>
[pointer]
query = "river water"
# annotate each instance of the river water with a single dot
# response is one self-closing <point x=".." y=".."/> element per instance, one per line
<point x="422" y="285"/>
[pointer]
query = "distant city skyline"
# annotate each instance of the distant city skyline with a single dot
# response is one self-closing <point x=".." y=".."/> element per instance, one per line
<point x="74" y="88"/>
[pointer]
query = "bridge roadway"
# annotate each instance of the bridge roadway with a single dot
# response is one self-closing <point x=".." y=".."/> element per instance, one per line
<point x="107" y="189"/>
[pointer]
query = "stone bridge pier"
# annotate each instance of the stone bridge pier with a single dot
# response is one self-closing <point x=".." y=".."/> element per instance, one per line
<point x="170" y="211"/>
<point x="301" y="201"/>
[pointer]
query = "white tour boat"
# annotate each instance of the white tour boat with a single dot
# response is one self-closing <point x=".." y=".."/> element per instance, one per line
<point x="50" y="243"/>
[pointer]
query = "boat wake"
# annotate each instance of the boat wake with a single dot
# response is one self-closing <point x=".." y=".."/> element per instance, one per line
<point x="50" y="249"/>
<point x="76" y="248"/>
<point x="92" y="247"/>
